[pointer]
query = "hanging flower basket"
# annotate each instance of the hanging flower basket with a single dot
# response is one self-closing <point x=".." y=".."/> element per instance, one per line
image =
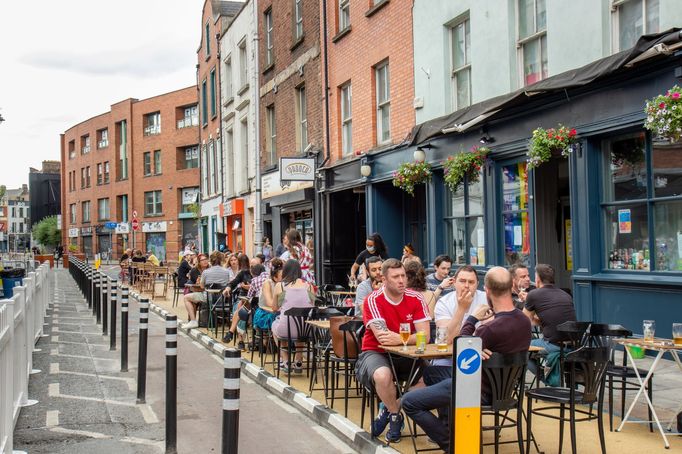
<point x="546" y="143"/>
<point x="664" y="115"/>
<point x="410" y="174"/>
<point x="464" y="166"/>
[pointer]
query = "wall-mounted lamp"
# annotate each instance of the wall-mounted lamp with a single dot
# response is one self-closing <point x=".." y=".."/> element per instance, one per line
<point x="420" y="153"/>
<point x="365" y="168"/>
<point x="485" y="137"/>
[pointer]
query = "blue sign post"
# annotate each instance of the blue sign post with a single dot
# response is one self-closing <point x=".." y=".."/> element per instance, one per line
<point x="465" y="429"/>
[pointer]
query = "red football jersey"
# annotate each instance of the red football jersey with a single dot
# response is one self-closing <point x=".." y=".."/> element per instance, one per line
<point x="377" y="307"/>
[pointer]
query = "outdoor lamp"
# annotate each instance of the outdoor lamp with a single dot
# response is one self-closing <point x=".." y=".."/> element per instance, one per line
<point x="419" y="154"/>
<point x="365" y="168"/>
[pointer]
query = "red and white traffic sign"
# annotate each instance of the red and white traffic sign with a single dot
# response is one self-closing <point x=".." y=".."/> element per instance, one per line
<point x="136" y="224"/>
<point x="134" y="214"/>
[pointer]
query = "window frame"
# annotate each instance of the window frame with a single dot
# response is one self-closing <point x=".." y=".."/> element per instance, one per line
<point x="147" y="163"/>
<point x="616" y="26"/>
<point x="522" y="42"/>
<point x="208" y="39"/>
<point x="158" y="170"/>
<point x="448" y="195"/>
<point x="103" y="202"/>
<point x="204" y="104"/>
<point x="298" y="20"/>
<point x="346" y="120"/>
<point x="271" y="130"/>
<point x="214" y="100"/>
<point x="85" y="213"/>
<point x="190" y="150"/>
<point x="152" y="124"/>
<point x="243" y="64"/>
<point x="103" y="138"/>
<point x="72" y="213"/>
<point x="455" y="71"/>
<point x="107" y="171"/>
<point x="382" y="105"/>
<point x="156" y="203"/>
<point x="301" y="118"/>
<point x="268" y="25"/>
<point x="229" y="95"/>
<point x="344" y="15"/>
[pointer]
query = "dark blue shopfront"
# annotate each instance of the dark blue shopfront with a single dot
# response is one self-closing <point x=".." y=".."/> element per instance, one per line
<point x="608" y="218"/>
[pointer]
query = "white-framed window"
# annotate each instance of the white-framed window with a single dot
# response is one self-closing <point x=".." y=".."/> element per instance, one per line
<point x="103" y="138"/>
<point x="190" y="117"/>
<point x="532" y="40"/>
<point x="269" y="51"/>
<point x="152" y="124"/>
<point x="228" y="176"/>
<point x="102" y="209"/>
<point x="244" y="140"/>
<point x="243" y="64"/>
<point x="298" y="19"/>
<point x="383" y="96"/>
<point x="157" y="162"/>
<point x="152" y="203"/>
<point x="631" y="19"/>
<point x="85" y="144"/>
<point x="271" y="128"/>
<point x="204" y="171"/>
<point x="227" y="76"/>
<point x="100" y="173"/>
<point x="106" y="172"/>
<point x="346" y="119"/>
<point x="147" y="163"/>
<point x="460" y="43"/>
<point x="344" y="14"/>
<point x="72" y="213"/>
<point x="192" y="157"/>
<point x="211" y="167"/>
<point x="301" y="118"/>
<point x="85" y="207"/>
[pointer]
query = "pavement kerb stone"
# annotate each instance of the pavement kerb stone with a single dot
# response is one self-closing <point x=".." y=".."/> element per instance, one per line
<point x="347" y="430"/>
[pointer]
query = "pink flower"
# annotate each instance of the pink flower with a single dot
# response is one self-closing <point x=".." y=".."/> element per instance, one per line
<point x="661" y="105"/>
<point x="676" y="95"/>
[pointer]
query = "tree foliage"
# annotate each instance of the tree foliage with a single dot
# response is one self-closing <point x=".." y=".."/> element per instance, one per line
<point x="47" y="232"/>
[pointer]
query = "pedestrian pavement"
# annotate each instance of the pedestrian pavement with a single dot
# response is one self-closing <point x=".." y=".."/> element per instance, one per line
<point x="86" y="404"/>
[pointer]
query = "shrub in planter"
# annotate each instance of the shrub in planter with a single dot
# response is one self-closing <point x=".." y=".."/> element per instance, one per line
<point x="410" y="174"/>
<point x="546" y="143"/>
<point x="664" y="115"/>
<point x="464" y="166"/>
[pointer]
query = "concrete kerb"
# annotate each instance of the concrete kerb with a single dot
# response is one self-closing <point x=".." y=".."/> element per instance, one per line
<point x="342" y="427"/>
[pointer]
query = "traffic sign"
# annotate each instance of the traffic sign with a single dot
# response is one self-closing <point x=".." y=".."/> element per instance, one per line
<point x="136" y="224"/>
<point x="466" y="390"/>
<point x="110" y="225"/>
<point x="468" y="361"/>
<point x="134" y="214"/>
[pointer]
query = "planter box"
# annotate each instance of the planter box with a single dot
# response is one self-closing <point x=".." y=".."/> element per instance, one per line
<point x="45" y="258"/>
<point x="78" y="255"/>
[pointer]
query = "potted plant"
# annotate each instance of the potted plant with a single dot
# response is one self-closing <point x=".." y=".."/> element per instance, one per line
<point x="73" y="251"/>
<point x="410" y="174"/>
<point x="546" y="143"/>
<point x="664" y="115"/>
<point x="464" y="166"/>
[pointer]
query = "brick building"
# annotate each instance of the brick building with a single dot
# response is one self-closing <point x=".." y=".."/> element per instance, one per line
<point x="291" y="109"/>
<point x="142" y="156"/>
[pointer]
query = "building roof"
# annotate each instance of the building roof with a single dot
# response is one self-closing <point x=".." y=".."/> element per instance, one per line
<point x="230" y="8"/>
<point x="461" y="120"/>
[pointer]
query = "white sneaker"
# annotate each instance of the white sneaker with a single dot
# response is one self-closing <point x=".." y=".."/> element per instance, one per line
<point x="191" y="324"/>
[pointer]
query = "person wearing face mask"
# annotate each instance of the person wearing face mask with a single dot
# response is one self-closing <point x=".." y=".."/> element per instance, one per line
<point x="374" y="247"/>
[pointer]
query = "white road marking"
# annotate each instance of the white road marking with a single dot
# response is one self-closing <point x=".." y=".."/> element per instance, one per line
<point x="55" y="339"/>
<point x="84" y="433"/>
<point x="52" y="418"/>
<point x="54" y="368"/>
<point x="148" y="414"/>
<point x="94" y="358"/>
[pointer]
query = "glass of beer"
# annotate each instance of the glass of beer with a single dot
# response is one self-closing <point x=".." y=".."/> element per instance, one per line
<point x="649" y="329"/>
<point x="442" y="339"/>
<point x="405" y="333"/>
<point x="677" y="334"/>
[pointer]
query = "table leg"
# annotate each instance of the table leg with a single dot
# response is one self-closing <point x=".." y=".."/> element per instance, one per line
<point x="676" y="357"/>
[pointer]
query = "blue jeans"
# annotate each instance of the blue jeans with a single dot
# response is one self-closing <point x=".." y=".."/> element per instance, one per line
<point x="418" y="404"/>
<point x="547" y="346"/>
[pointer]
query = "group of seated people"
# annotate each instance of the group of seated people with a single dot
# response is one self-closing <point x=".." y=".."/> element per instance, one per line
<point x="135" y="256"/>
<point x="502" y="315"/>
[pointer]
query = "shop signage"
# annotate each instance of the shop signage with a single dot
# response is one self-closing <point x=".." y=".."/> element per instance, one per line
<point x="110" y="225"/>
<point x="272" y="186"/>
<point x="189" y="195"/>
<point x="233" y="207"/>
<point x="122" y="228"/>
<point x="86" y="231"/>
<point x="297" y="169"/>
<point x="154" y="227"/>
<point x="73" y="233"/>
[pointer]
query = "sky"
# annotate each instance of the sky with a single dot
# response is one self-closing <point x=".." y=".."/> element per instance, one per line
<point x="64" y="62"/>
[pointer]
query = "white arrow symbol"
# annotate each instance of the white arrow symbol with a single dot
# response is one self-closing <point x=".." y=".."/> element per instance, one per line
<point x="464" y="365"/>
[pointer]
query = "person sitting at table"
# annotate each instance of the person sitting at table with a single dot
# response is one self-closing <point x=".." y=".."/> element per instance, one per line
<point x="522" y="284"/>
<point x="215" y="275"/>
<point x="183" y="270"/>
<point x="292" y="292"/>
<point x="267" y="304"/>
<point x="416" y="280"/>
<point x="549" y="307"/>
<point x="409" y="254"/>
<point x="242" y="309"/>
<point x="196" y="295"/>
<point x="368" y="285"/>
<point x="151" y="258"/>
<point x="383" y="312"/>
<point x="508" y="332"/>
<point x="439" y="282"/>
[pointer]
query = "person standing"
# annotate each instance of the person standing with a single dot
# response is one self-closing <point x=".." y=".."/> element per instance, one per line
<point x="267" y="251"/>
<point x="374" y="247"/>
<point x="281" y="247"/>
<point x="439" y="281"/>
<point x="298" y="251"/>
<point x="368" y="285"/>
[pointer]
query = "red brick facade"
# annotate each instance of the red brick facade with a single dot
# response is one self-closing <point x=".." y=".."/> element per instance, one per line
<point x="170" y="140"/>
<point x="376" y="34"/>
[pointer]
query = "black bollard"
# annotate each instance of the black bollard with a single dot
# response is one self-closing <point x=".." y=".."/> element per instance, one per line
<point x="171" y="383"/>
<point x="113" y="299"/>
<point x="96" y="296"/>
<point x="88" y="288"/>
<point x="142" y="354"/>
<point x="232" y="371"/>
<point x="124" y="329"/>
<point x="104" y="303"/>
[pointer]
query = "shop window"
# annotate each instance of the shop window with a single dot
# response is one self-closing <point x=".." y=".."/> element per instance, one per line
<point x="515" y="216"/>
<point x="642" y="208"/>
<point x="464" y="226"/>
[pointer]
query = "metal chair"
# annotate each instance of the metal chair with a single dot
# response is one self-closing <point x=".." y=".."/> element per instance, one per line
<point x="353" y="331"/>
<point x="298" y="331"/>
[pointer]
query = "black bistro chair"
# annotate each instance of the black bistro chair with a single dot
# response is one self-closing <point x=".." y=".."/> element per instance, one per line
<point x="218" y="308"/>
<point x="585" y="369"/>
<point x="343" y="362"/>
<point x="296" y="318"/>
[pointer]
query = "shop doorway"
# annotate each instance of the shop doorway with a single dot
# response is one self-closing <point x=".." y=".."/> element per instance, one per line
<point x="344" y="234"/>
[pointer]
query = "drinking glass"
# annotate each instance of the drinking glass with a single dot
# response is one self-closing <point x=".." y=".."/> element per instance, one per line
<point x="442" y="339"/>
<point x="649" y="329"/>
<point x="405" y="332"/>
<point x="677" y="334"/>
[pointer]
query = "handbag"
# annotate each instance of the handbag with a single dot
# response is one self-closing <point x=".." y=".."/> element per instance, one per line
<point x="339" y="337"/>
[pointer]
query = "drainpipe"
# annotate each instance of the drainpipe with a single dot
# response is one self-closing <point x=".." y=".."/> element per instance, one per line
<point x="255" y="96"/>
<point x="200" y="233"/>
<point x="220" y="125"/>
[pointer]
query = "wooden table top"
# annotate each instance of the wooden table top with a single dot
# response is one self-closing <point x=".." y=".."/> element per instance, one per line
<point x="322" y="324"/>
<point x="341" y="293"/>
<point x="431" y="352"/>
<point x="657" y="344"/>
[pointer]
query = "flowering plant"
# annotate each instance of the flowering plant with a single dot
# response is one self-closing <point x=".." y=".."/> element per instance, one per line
<point x="410" y="174"/>
<point x="464" y="165"/>
<point x="664" y="114"/>
<point x="545" y="143"/>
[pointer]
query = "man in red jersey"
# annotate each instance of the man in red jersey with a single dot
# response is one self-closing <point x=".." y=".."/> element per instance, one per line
<point x="383" y="312"/>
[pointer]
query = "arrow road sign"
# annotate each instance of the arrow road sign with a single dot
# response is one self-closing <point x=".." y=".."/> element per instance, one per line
<point x="468" y="361"/>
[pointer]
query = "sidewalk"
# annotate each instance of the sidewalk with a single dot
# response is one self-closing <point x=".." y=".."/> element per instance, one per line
<point x="87" y="405"/>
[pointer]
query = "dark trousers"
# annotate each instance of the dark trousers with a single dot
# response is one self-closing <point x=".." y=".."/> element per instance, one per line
<point x="418" y="404"/>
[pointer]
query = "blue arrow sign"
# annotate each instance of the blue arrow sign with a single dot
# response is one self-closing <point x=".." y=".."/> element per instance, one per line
<point x="468" y="361"/>
<point x="110" y="225"/>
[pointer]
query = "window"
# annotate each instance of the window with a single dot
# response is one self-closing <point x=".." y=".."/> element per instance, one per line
<point x="100" y="174"/>
<point x="152" y="124"/>
<point x="192" y="157"/>
<point x="271" y="127"/>
<point x="211" y="168"/>
<point x="298" y="19"/>
<point x="190" y="117"/>
<point x="122" y="209"/>
<point x="103" y="209"/>
<point x="102" y="138"/>
<point x="464" y="226"/>
<point x="346" y="120"/>
<point x="72" y="213"/>
<point x="204" y="104"/>
<point x="87" y="177"/>
<point x="208" y="40"/>
<point x="85" y="208"/>
<point x="532" y="41"/>
<point x="301" y="119"/>
<point x="204" y="171"/>
<point x="243" y="65"/>
<point x="230" y="159"/>
<point x="189" y="197"/>
<point x="152" y="203"/>
<point x="123" y="150"/>
<point x="460" y="36"/>
<point x="344" y="14"/>
<point x="383" y="91"/>
<point x="82" y="177"/>
<point x="106" y="172"/>
<point x="642" y="209"/>
<point x="632" y="19"/>
<point x="515" y="217"/>
<point x="269" y="53"/>
<point x="85" y="144"/>
<point x="227" y="83"/>
<point x="244" y="145"/>
<point x="147" y="160"/>
<point x="157" y="162"/>
<point x="72" y="149"/>
<point x="213" y="94"/>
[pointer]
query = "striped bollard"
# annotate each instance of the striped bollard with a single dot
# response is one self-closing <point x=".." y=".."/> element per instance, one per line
<point x="142" y="352"/>
<point x="96" y="296"/>
<point x="124" y="328"/>
<point x="113" y="299"/>
<point x="104" y="303"/>
<point x="232" y="366"/>
<point x="171" y="383"/>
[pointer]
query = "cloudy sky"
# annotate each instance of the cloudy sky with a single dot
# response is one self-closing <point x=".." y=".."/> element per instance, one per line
<point x="64" y="62"/>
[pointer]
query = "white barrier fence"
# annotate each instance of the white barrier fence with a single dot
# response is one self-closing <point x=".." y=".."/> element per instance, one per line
<point x="21" y="325"/>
